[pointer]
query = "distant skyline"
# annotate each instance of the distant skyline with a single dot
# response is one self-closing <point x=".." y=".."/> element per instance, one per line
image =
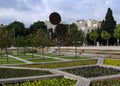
<point x="29" y="11"/>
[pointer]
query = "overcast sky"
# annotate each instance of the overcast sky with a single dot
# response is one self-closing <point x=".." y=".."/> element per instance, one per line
<point x="29" y="11"/>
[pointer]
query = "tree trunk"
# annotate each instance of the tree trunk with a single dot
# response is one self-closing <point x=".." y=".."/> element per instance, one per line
<point x="107" y="42"/>
<point x="94" y="43"/>
<point x="24" y="51"/>
<point x="39" y="50"/>
<point x="32" y="52"/>
<point x="1" y="53"/>
<point x="6" y="54"/>
<point x="75" y="51"/>
<point x="18" y="50"/>
<point x="43" y="52"/>
<point x="59" y="50"/>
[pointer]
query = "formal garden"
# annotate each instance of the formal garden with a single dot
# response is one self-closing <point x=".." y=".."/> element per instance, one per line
<point x="27" y="57"/>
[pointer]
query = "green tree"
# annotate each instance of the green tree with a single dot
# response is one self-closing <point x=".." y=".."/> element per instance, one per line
<point x="37" y="25"/>
<point x="117" y="33"/>
<point x="5" y="38"/>
<point x="61" y="32"/>
<point x="93" y="36"/>
<point x="105" y="35"/>
<point x="41" y="40"/>
<point x="17" y="44"/>
<point x="75" y="36"/>
<point x="18" y="28"/>
<point x="31" y="42"/>
<point x="109" y="24"/>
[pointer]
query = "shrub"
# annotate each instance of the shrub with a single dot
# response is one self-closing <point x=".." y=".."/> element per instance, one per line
<point x="46" y="82"/>
<point x="13" y="73"/>
<point x="92" y="71"/>
<point x="112" y="82"/>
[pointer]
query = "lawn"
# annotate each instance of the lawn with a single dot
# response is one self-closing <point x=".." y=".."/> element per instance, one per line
<point x="61" y="64"/>
<point x="3" y="60"/>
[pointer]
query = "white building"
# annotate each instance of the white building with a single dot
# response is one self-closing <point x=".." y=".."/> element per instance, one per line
<point x="88" y="26"/>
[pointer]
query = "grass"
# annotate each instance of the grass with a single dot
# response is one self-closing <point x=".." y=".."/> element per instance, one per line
<point x="43" y="60"/>
<point x="74" y="58"/>
<point x="61" y="64"/>
<point x="66" y="57"/>
<point x="3" y="60"/>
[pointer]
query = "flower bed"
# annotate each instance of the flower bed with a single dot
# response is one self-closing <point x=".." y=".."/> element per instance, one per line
<point x="61" y="64"/>
<point x="46" y="82"/>
<point x="114" y="62"/>
<point x="13" y="73"/>
<point x="112" y="82"/>
<point x="92" y="71"/>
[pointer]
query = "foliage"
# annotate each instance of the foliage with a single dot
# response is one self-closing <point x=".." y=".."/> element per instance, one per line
<point x="36" y="26"/>
<point x="92" y="71"/>
<point x="93" y="36"/>
<point x="61" y="64"/>
<point x="41" y="40"/>
<point x="111" y="82"/>
<point x="112" y="62"/>
<point x="117" y="31"/>
<point x="12" y="73"/>
<point x="46" y="82"/>
<point x="105" y="35"/>
<point x="18" y="28"/>
<point x="74" y="35"/>
<point x="109" y="24"/>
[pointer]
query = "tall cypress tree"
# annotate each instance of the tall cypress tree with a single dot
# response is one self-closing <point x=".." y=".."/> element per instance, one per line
<point x="109" y="24"/>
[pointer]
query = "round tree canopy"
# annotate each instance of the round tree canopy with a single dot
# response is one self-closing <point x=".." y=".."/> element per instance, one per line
<point x="61" y="30"/>
<point x="55" y="18"/>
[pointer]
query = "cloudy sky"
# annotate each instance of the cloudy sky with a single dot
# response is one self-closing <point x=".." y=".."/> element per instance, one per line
<point x="29" y="11"/>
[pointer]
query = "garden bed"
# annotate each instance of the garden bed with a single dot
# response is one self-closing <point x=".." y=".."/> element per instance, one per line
<point x="46" y="82"/>
<point x="17" y="75"/>
<point x="109" y="82"/>
<point x="13" y="73"/>
<point x="60" y="64"/>
<point x="92" y="71"/>
<point x="114" y="62"/>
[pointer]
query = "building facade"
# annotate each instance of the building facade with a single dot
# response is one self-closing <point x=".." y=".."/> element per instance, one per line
<point x="88" y="26"/>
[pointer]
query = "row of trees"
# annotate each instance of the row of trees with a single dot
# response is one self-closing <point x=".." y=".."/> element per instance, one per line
<point x="9" y="38"/>
<point x="108" y="30"/>
<point x="105" y="35"/>
<point x="15" y="34"/>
